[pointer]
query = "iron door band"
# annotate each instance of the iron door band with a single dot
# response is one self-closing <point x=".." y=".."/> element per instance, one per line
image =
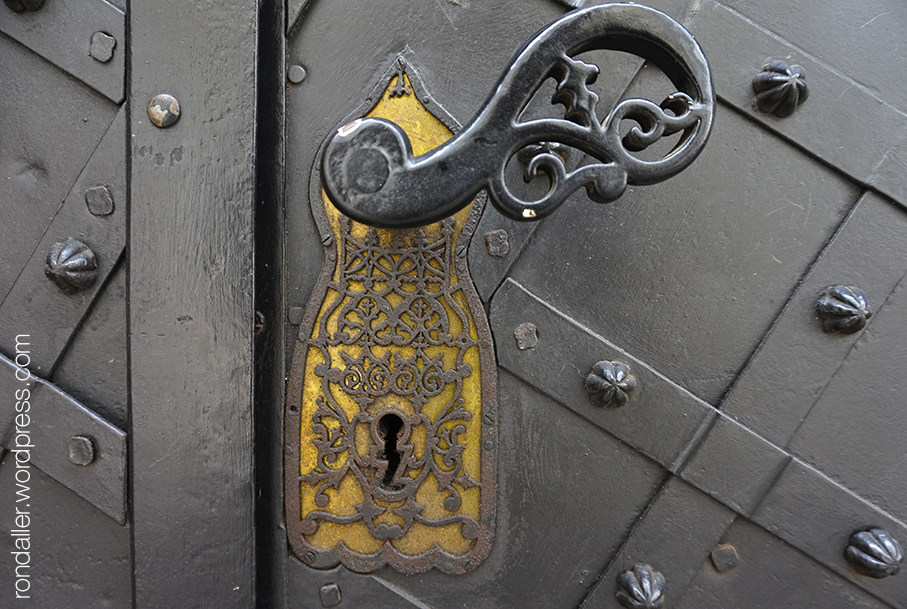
<point x="667" y="423"/>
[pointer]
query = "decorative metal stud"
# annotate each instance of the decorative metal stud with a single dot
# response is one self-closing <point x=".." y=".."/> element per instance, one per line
<point x="641" y="588"/>
<point x="72" y="266"/>
<point x="843" y="309"/>
<point x="81" y="451"/>
<point x="163" y="110"/>
<point x="296" y="74"/>
<point x="102" y="46"/>
<point x="17" y="6"/>
<point x="610" y="384"/>
<point x="873" y="552"/>
<point x="780" y="88"/>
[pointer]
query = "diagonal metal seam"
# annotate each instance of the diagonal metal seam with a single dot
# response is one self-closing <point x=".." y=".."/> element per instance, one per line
<point x="850" y="81"/>
<point x="642" y="517"/>
<point x="101" y="482"/>
<point x="714" y="415"/>
<point x="62" y="203"/>
<point x="794" y="293"/>
<point x="850" y="350"/>
<point x="784" y="459"/>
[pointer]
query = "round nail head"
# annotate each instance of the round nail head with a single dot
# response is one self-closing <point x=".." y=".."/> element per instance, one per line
<point x="296" y="74"/>
<point x="163" y="110"/>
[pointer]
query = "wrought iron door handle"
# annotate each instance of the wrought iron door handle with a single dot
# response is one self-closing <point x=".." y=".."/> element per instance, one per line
<point x="369" y="171"/>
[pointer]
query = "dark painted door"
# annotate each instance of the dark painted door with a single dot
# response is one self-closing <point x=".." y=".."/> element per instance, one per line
<point x="756" y="442"/>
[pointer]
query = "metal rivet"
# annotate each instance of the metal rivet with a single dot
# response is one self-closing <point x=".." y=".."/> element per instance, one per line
<point x="81" y="450"/>
<point x="610" y="384"/>
<point x="780" y="88"/>
<point x="163" y="110"/>
<point x="642" y="587"/>
<point x="725" y="557"/>
<point x="497" y="242"/>
<point x="102" y="46"/>
<point x="843" y="309"/>
<point x="309" y="557"/>
<point x="72" y="266"/>
<point x="330" y="595"/>
<point x="526" y="336"/>
<point x="17" y="6"/>
<point x="873" y="552"/>
<point x="99" y="201"/>
<point x="296" y="74"/>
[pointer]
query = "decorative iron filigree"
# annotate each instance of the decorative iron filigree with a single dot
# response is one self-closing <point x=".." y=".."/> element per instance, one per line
<point x="370" y="173"/>
<point x="391" y="400"/>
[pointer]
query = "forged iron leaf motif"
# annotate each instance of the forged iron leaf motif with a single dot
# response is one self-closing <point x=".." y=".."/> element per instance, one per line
<point x="780" y="88"/>
<point x="573" y="93"/>
<point x="875" y="553"/>
<point x="641" y="588"/>
<point x="843" y="309"/>
<point x="610" y="384"/>
<point x="370" y="173"/>
<point x="72" y="266"/>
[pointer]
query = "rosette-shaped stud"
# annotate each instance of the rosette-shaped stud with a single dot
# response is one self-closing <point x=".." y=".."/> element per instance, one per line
<point x="843" y="309"/>
<point x="72" y="266"/>
<point x="642" y="587"/>
<point x="875" y="553"/>
<point x="780" y="88"/>
<point x="610" y="384"/>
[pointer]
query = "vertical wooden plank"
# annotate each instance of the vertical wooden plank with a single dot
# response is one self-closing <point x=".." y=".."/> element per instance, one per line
<point x="191" y="303"/>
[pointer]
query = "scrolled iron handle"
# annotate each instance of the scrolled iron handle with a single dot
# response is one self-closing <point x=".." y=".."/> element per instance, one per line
<point x="370" y="174"/>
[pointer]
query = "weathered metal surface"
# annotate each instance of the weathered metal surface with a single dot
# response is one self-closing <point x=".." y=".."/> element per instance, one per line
<point x="665" y="271"/>
<point x="79" y="556"/>
<point x="370" y="173"/>
<point x="391" y="403"/>
<point x="47" y="140"/>
<point x="39" y="306"/>
<point x="62" y="32"/>
<point x="711" y="451"/>
<point x="50" y="419"/>
<point x="817" y="516"/>
<point x="796" y="362"/>
<point x="662" y="421"/>
<point x="869" y="125"/>
<point x="771" y="573"/>
<point x="677" y="530"/>
<point x="191" y="304"/>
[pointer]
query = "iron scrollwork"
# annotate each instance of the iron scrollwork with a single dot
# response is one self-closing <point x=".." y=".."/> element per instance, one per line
<point x="370" y="173"/>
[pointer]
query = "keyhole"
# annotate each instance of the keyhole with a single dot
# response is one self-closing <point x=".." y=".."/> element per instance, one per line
<point x="389" y="427"/>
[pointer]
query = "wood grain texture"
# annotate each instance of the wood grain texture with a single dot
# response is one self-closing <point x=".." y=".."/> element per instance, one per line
<point x="191" y="288"/>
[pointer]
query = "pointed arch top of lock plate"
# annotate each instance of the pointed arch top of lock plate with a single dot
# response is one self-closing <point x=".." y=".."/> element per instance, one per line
<point x="371" y="174"/>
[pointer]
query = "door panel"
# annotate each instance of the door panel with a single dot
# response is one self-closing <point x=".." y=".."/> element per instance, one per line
<point x="754" y="444"/>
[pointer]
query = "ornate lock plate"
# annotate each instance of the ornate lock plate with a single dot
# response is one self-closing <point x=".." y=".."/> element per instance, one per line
<point x="391" y="408"/>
